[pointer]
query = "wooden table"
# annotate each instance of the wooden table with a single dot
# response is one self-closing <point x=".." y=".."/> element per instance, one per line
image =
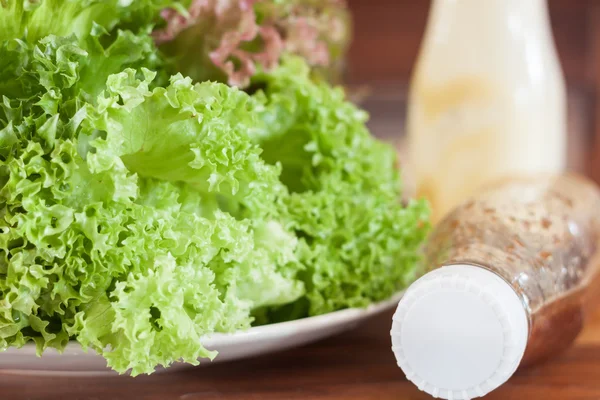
<point x="357" y="365"/>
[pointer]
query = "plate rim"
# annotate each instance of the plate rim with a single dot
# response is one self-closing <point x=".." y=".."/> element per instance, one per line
<point x="305" y="324"/>
<point x="215" y="339"/>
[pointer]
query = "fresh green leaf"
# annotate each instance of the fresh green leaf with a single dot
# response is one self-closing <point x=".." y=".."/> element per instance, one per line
<point x="33" y="20"/>
<point x="358" y="243"/>
<point x="139" y="214"/>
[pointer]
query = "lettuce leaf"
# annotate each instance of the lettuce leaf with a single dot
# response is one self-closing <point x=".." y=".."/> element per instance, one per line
<point x="121" y="261"/>
<point x="358" y="243"/>
<point x="140" y="213"/>
<point x="32" y="20"/>
<point x="230" y="40"/>
<point x="84" y="239"/>
<point x="190" y="138"/>
<point x="55" y="71"/>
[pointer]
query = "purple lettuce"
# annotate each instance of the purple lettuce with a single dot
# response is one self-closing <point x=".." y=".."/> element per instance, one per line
<point x="228" y="40"/>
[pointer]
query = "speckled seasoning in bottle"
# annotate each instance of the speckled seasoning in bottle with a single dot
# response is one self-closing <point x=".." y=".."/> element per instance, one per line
<point x="510" y="276"/>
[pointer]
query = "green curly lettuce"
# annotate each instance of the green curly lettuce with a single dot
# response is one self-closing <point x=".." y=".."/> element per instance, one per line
<point x="129" y="263"/>
<point x="97" y="246"/>
<point x="140" y="213"/>
<point x="35" y="19"/>
<point x="358" y="243"/>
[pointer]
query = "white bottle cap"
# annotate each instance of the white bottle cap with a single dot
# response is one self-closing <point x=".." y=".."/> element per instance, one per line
<point x="459" y="332"/>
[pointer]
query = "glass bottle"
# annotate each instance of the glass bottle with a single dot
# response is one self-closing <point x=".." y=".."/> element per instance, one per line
<point x="510" y="276"/>
<point x="487" y="99"/>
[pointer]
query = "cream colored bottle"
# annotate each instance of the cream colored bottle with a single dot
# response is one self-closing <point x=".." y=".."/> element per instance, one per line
<point x="487" y="99"/>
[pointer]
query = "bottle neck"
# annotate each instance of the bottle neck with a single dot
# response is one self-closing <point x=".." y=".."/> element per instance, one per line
<point x="508" y="19"/>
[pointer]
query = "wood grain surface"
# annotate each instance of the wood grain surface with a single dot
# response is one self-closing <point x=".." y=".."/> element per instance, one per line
<point x="357" y="365"/>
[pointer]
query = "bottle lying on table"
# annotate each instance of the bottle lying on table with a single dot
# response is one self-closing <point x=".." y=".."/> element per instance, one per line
<point x="510" y="277"/>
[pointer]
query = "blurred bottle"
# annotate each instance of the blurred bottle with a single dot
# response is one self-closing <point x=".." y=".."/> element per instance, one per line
<point x="487" y="98"/>
<point x="512" y="274"/>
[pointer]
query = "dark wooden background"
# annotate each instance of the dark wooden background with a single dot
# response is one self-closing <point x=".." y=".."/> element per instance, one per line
<point x="388" y="34"/>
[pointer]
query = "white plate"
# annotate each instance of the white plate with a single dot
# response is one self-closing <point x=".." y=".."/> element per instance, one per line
<point x="255" y="341"/>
